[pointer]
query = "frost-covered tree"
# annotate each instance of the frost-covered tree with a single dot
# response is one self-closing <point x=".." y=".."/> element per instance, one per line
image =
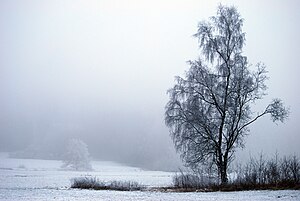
<point x="77" y="156"/>
<point x="209" y="110"/>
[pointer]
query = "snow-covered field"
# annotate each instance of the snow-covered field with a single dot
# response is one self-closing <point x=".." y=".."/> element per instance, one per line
<point x="29" y="179"/>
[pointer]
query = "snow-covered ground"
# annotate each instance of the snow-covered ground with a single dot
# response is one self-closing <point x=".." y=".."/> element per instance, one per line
<point x="29" y="179"/>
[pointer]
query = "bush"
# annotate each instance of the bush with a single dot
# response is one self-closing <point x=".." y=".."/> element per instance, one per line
<point x="194" y="180"/>
<point x="87" y="183"/>
<point x="94" y="183"/>
<point x="275" y="173"/>
<point x="258" y="173"/>
<point x="186" y="181"/>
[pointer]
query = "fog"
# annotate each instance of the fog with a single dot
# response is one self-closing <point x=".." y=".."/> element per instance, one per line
<point x="99" y="71"/>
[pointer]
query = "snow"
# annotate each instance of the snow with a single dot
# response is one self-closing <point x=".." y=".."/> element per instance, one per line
<point x="31" y="179"/>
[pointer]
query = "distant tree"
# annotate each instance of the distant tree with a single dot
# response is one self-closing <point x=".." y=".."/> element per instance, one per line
<point x="77" y="156"/>
<point x="209" y="110"/>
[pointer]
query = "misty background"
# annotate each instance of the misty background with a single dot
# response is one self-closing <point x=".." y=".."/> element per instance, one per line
<point x="99" y="71"/>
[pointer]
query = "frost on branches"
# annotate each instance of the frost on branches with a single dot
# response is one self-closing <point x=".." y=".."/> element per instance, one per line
<point x="209" y="110"/>
<point x="77" y="156"/>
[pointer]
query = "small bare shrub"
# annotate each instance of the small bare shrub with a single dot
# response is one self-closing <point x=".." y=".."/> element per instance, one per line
<point x="295" y="168"/>
<point x="285" y="171"/>
<point x="272" y="173"/>
<point x="87" y="183"/>
<point x="94" y="183"/>
<point x="188" y="180"/>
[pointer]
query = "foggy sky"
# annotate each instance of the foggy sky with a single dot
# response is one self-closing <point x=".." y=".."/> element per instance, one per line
<point x="99" y="71"/>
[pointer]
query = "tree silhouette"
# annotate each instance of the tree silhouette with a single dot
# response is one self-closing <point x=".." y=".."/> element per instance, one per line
<point x="209" y="110"/>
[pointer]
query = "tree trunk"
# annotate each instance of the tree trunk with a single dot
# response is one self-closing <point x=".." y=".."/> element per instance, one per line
<point x="223" y="172"/>
<point x="224" y="178"/>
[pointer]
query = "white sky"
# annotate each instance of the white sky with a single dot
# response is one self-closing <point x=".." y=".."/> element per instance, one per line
<point x="84" y="68"/>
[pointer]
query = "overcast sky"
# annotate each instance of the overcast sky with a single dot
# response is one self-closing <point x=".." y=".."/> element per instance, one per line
<point x="99" y="71"/>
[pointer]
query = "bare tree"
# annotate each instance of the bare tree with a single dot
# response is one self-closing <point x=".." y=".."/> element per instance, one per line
<point x="77" y="156"/>
<point x="209" y="110"/>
